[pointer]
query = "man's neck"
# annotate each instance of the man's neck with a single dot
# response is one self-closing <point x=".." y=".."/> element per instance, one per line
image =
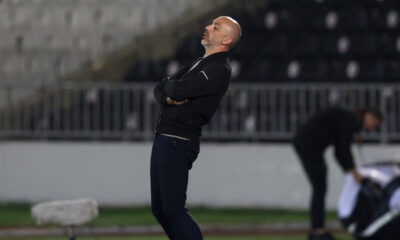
<point x="214" y="50"/>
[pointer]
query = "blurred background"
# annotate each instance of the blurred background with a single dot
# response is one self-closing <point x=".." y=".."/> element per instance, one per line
<point x="77" y="111"/>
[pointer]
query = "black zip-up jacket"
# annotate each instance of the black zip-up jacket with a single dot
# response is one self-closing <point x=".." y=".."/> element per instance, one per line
<point x="203" y="86"/>
<point x="334" y="126"/>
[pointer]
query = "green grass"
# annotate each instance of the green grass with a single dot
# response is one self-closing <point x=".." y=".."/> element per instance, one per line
<point x="143" y="216"/>
<point x="19" y="215"/>
<point x="251" y="216"/>
<point x="14" y="215"/>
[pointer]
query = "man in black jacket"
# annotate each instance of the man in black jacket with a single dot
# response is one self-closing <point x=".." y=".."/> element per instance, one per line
<point x="334" y="126"/>
<point x="189" y="99"/>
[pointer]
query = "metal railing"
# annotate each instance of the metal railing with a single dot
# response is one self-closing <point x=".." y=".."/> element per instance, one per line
<point x="252" y="112"/>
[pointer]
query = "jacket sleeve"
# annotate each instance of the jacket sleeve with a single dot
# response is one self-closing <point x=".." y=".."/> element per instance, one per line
<point x="208" y="81"/>
<point x="159" y="93"/>
<point x="343" y="152"/>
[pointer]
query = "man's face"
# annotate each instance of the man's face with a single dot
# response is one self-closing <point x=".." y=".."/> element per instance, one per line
<point x="214" y="33"/>
<point x="371" y="122"/>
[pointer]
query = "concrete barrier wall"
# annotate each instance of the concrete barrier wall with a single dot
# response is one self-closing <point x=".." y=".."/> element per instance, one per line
<point x="250" y="175"/>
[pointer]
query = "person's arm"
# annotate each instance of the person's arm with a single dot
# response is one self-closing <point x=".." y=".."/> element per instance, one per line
<point x="161" y="98"/>
<point x="345" y="158"/>
<point x="343" y="150"/>
<point x="204" y="83"/>
<point x="159" y="92"/>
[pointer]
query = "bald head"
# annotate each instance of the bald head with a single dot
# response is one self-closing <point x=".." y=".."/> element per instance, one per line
<point x="221" y="35"/>
<point x="233" y="29"/>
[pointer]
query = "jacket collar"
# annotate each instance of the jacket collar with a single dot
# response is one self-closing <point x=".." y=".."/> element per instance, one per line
<point x="199" y="62"/>
<point x="218" y="55"/>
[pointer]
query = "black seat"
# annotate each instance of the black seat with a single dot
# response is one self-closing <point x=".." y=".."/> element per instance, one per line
<point x="392" y="68"/>
<point x="386" y="45"/>
<point x="363" y="45"/>
<point x="372" y="71"/>
<point x="304" y="45"/>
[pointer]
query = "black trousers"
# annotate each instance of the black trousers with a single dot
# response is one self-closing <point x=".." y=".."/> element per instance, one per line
<point x="171" y="160"/>
<point x="316" y="170"/>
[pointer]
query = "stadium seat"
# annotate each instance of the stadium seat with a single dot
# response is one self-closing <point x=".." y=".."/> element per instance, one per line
<point x="363" y="45"/>
<point x="314" y="71"/>
<point x="304" y="45"/>
<point x="386" y="45"/>
<point x="353" y="18"/>
<point x="371" y="71"/>
<point x="393" y="70"/>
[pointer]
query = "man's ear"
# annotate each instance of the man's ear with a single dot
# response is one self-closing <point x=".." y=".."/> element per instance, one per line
<point x="227" y="41"/>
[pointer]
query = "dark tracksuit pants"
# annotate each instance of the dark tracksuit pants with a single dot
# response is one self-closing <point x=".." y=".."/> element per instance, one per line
<point x="316" y="170"/>
<point x="171" y="160"/>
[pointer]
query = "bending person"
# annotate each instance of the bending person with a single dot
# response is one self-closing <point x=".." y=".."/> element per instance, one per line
<point x="334" y="126"/>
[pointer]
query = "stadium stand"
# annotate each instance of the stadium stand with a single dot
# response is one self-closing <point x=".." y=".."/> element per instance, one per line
<point x="44" y="40"/>
<point x="310" y="40"/>
<point x="331" y="42"/>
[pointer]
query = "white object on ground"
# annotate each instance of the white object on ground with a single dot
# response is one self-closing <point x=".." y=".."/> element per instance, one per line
<point x="380" y="174"/>
<point x="65" y="213"/>
<point x="395" y="200"/>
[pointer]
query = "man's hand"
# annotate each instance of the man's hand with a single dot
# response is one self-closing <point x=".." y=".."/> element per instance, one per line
<point x="358" y="140"/>
<point x="357" y="176"/>
<point x="173" y="102"/>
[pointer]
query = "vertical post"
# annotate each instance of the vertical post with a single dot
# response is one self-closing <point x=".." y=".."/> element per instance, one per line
<point x="293" y="113"/>
<point x="105" y="128"/>
<point x="45" y="116"/>
<point x="384" y="93"/>
<point x="273" y="112"/>
<point x="8" y="113"/>
<point x="147" y="111"/>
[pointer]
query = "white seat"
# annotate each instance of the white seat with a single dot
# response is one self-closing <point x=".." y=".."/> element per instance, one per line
<point x="65" y="213"/>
